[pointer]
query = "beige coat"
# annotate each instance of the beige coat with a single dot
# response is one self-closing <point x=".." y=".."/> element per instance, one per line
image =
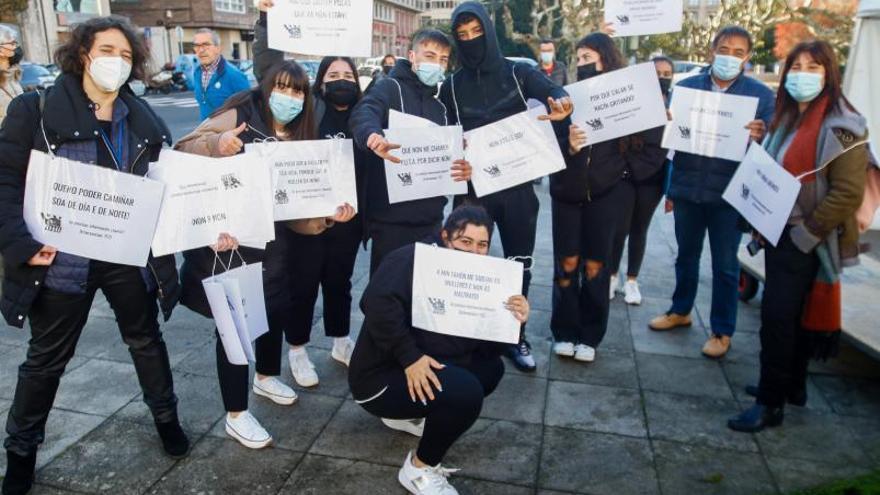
<point x="205" y="141"/>
<point x="9" y="88"/>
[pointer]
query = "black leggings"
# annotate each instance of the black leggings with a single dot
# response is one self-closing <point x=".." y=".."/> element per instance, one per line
<point x="326" y="261"/>
<point x="453" y="410"/>
<point x="636" y="222"/>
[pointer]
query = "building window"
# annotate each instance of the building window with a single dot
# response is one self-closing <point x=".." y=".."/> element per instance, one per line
<point x="236" y="6"/>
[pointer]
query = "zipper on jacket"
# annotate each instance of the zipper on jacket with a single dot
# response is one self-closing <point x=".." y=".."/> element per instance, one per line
<point x="158" y="282"/>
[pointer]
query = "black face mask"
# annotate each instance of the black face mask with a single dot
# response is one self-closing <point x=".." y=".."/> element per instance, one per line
<point x="387" y="68"/>
<point x="665" y="85"/>
<point x="473" y="52"/>
<point x="341" y="92"/>
<point x="16" y="56"/>
<point x="587" y="71"/>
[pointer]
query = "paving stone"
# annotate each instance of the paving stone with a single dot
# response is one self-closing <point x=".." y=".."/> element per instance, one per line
<point x="867" y="431"/>
<point x="119" y="457"/>
<point x="315" y="474"/>
<point x="744" y="348"/>
<point x="200" y="361"/>
<point x="39" y="489"/>
<point x="595" y="408"/>
<point x="293" y="427"/>
<point x="9" y="363"/>
<point x="15" y="337"/>
<point x="695" y="420"/>
<point x="468" y="486"/>
<point x="63" y="429"/>
<point x="611" y="368"/>
<point x="332" y="375"/>
<point x="5" y="404"/>
<point x="498" y="451"/>
<point x="100" y="337"/>
<point x="850" y="362"/>
<point x="684" y="342"/>
<point x="691" y="469"/>
<point x="224" y="466"/>
<point x="680" y="375"/>
<point x="596" y="463"/>
<point x="319" y="340"/>
<point x="851" y="396"/>
<point x="199" y="404"/>
<point x="812" y="436"/>
<point x="539" y="322"/>
<point x="353" y="433"/>
<point x="98" y="387"/>
<point x="741" y="374"/>
<point x="541" y="296"/>
<point x="517" y="398"/>
<point x="618" y="337"/>
<point x="798" y="474"/>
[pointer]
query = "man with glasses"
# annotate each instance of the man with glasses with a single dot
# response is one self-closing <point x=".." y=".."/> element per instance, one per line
<point x="214" y="78"/>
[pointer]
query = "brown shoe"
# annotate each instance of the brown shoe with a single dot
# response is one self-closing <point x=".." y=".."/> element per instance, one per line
<point x="717" y="346"/>
<point x="669" y="321"/>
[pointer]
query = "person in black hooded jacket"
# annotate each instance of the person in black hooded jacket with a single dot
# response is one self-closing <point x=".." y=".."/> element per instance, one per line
<point x="592" y="198"/>
<point x="403" y="374"/>
<point x="409" y="88"/>
<point x="89" y="116"/>
<point x="488" y="88"/>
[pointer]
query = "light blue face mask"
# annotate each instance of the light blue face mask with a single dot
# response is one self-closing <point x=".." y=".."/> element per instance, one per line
<point x="547" y="57"/>
<point x="430" y="74"/>
<point x="726" y="67"/>
<point x="284" y="108"/>
<point x="804" y="86"/>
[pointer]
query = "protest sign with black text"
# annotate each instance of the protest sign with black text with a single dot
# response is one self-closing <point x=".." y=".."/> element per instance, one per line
<point x="426" y="156"/>
<point x="321" y="27"/>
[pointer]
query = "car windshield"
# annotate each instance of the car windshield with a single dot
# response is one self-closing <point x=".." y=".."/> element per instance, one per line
<point x="311" y="68"/>
<point x="33" y="71"/>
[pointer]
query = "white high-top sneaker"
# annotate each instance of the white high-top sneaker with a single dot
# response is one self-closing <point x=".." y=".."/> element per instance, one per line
<point x="631" y="293"/>
<point x="301" y="368"/>
<point x="247" y="430"/>
<point x="412" y="426"/>
<point x="427" y="480"/>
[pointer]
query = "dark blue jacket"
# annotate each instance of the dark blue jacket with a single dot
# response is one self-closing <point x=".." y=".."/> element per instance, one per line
<point x="702" y="179"/>
<point x="225" y="82"/>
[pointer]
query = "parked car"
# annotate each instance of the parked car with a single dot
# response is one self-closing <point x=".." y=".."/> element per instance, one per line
<point x="523" y="60"/>
<point x="683" y="69"/>
<point x="53" y="69"/>
<point x="35" y="76"/>
<point x="311" y="67"/>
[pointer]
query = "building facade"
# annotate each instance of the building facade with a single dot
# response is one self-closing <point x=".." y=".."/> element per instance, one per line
<point x="438" y="12"/>
<point x="394" y="22"/>
<point x="46" y="23"/>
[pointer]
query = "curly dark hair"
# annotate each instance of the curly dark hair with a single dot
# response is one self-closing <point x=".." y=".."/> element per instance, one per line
<point x="69" y="56"/>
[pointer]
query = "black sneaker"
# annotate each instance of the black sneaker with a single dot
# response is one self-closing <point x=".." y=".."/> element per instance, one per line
<point x="19" y="473"/>
<point x="174" y="440"/>
<point x="521" y="355"/>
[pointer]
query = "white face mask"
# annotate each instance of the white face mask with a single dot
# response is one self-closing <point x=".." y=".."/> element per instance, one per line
<point x="109" y="73"/>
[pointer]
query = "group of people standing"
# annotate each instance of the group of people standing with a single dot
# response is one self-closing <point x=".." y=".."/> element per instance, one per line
<point x="426" y="384"/>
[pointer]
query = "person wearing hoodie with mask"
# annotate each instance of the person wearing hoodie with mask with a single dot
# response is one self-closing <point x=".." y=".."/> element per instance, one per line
<point x="695" y="189"/>
<point x="488" y="88"/>
<point x="409" y="88"/>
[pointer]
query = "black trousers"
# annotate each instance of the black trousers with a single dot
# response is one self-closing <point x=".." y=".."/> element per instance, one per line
<point x="581" y="232"/>
<point x="785" y="353"/>
<point x="637" y="217"/>
<point x="453" y="410"/>
<point x="386" y="237"/>
<point x="326" y="261"/>
<point x="57" y="320"/>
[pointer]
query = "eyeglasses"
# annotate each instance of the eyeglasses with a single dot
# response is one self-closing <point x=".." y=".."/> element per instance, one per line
<point x="13" y="44"/>
<point x="201" y="46"/>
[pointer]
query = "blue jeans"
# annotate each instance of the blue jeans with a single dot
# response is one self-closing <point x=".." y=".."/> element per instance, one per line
<point x="692" y="220"/>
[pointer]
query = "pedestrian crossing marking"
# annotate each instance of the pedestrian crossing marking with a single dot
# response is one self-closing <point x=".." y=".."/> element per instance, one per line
<point x="170" y="101"/>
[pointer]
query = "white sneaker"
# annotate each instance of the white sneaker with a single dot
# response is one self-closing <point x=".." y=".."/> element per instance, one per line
<point x="584" y="353"/>
<point x="427" y="480"/>
<point x="631" y="293"/>
<point x="414" y="427"/>
<point x="565" y="349"/>
<point x="612" y="287"/>
<point x="342" y="349"/>
<point x="302" y="368"/>
<point x="247" y="430"/>
<point x="274" y="390"/>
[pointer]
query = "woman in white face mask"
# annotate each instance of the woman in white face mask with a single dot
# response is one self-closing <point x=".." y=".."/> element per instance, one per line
<point x="88" y="117"/>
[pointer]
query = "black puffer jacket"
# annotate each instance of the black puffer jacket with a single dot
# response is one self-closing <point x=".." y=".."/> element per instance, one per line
<point x="67" y="118"/>
<point x="402" y="91"/>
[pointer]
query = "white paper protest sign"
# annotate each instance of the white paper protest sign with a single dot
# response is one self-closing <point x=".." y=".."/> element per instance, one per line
<point x="463" y="294"/>
<point x="710" y="124"/>
<point x="321" y="28"/>
<point x="221" y="310"/>
<point x="618" y="103"/>
<point x="426" y="156"/>
<point x="399" y="119"/>
<point x="90" y="211"/>
<point x="512" y="151"/>
<point x="642" y="17"/>
<point x="207" y="196"/>
<point x="763" y="192"/>
<point x="310" y="179"/>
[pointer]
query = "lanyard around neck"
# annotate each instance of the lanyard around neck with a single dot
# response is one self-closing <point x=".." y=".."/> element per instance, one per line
<point x="115" y="150"/>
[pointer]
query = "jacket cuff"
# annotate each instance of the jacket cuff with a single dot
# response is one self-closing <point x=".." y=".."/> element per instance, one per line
<point x="20" y="252"/>
<point x="805" y="241"/>
<point x="408" y="353"/>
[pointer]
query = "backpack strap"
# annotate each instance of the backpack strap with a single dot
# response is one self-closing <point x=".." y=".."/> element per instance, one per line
<point x="41" y="105"/>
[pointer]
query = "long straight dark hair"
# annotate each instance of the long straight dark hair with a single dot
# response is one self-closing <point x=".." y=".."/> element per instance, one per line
<point x="787" y="111"/>
<point x="324" y="66"/>
<point x="608" y="52"/>
<point x="286" y="73"/>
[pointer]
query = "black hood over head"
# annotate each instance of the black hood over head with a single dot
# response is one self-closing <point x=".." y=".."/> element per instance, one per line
<point x="493" y="59"/>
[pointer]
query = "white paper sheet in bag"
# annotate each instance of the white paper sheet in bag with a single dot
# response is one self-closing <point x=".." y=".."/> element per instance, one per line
<point x="220" y="306"/>
<point x="426" y="156"/>
<point x="512" y="151"/>
<point x="321" y="28"/>
<point x="310" y="179"/>
<point x="249" y="282"/>
<point x="763" y="192"/>
<point x="90" y="211"/>
<point x="463" y="294"/>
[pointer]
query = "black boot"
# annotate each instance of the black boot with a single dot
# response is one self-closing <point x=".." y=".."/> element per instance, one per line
<point x="19" y="473"/>
<point x="756" y="419"/>
<point x="798" y="398"/>
<point x="174" y="440"/>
